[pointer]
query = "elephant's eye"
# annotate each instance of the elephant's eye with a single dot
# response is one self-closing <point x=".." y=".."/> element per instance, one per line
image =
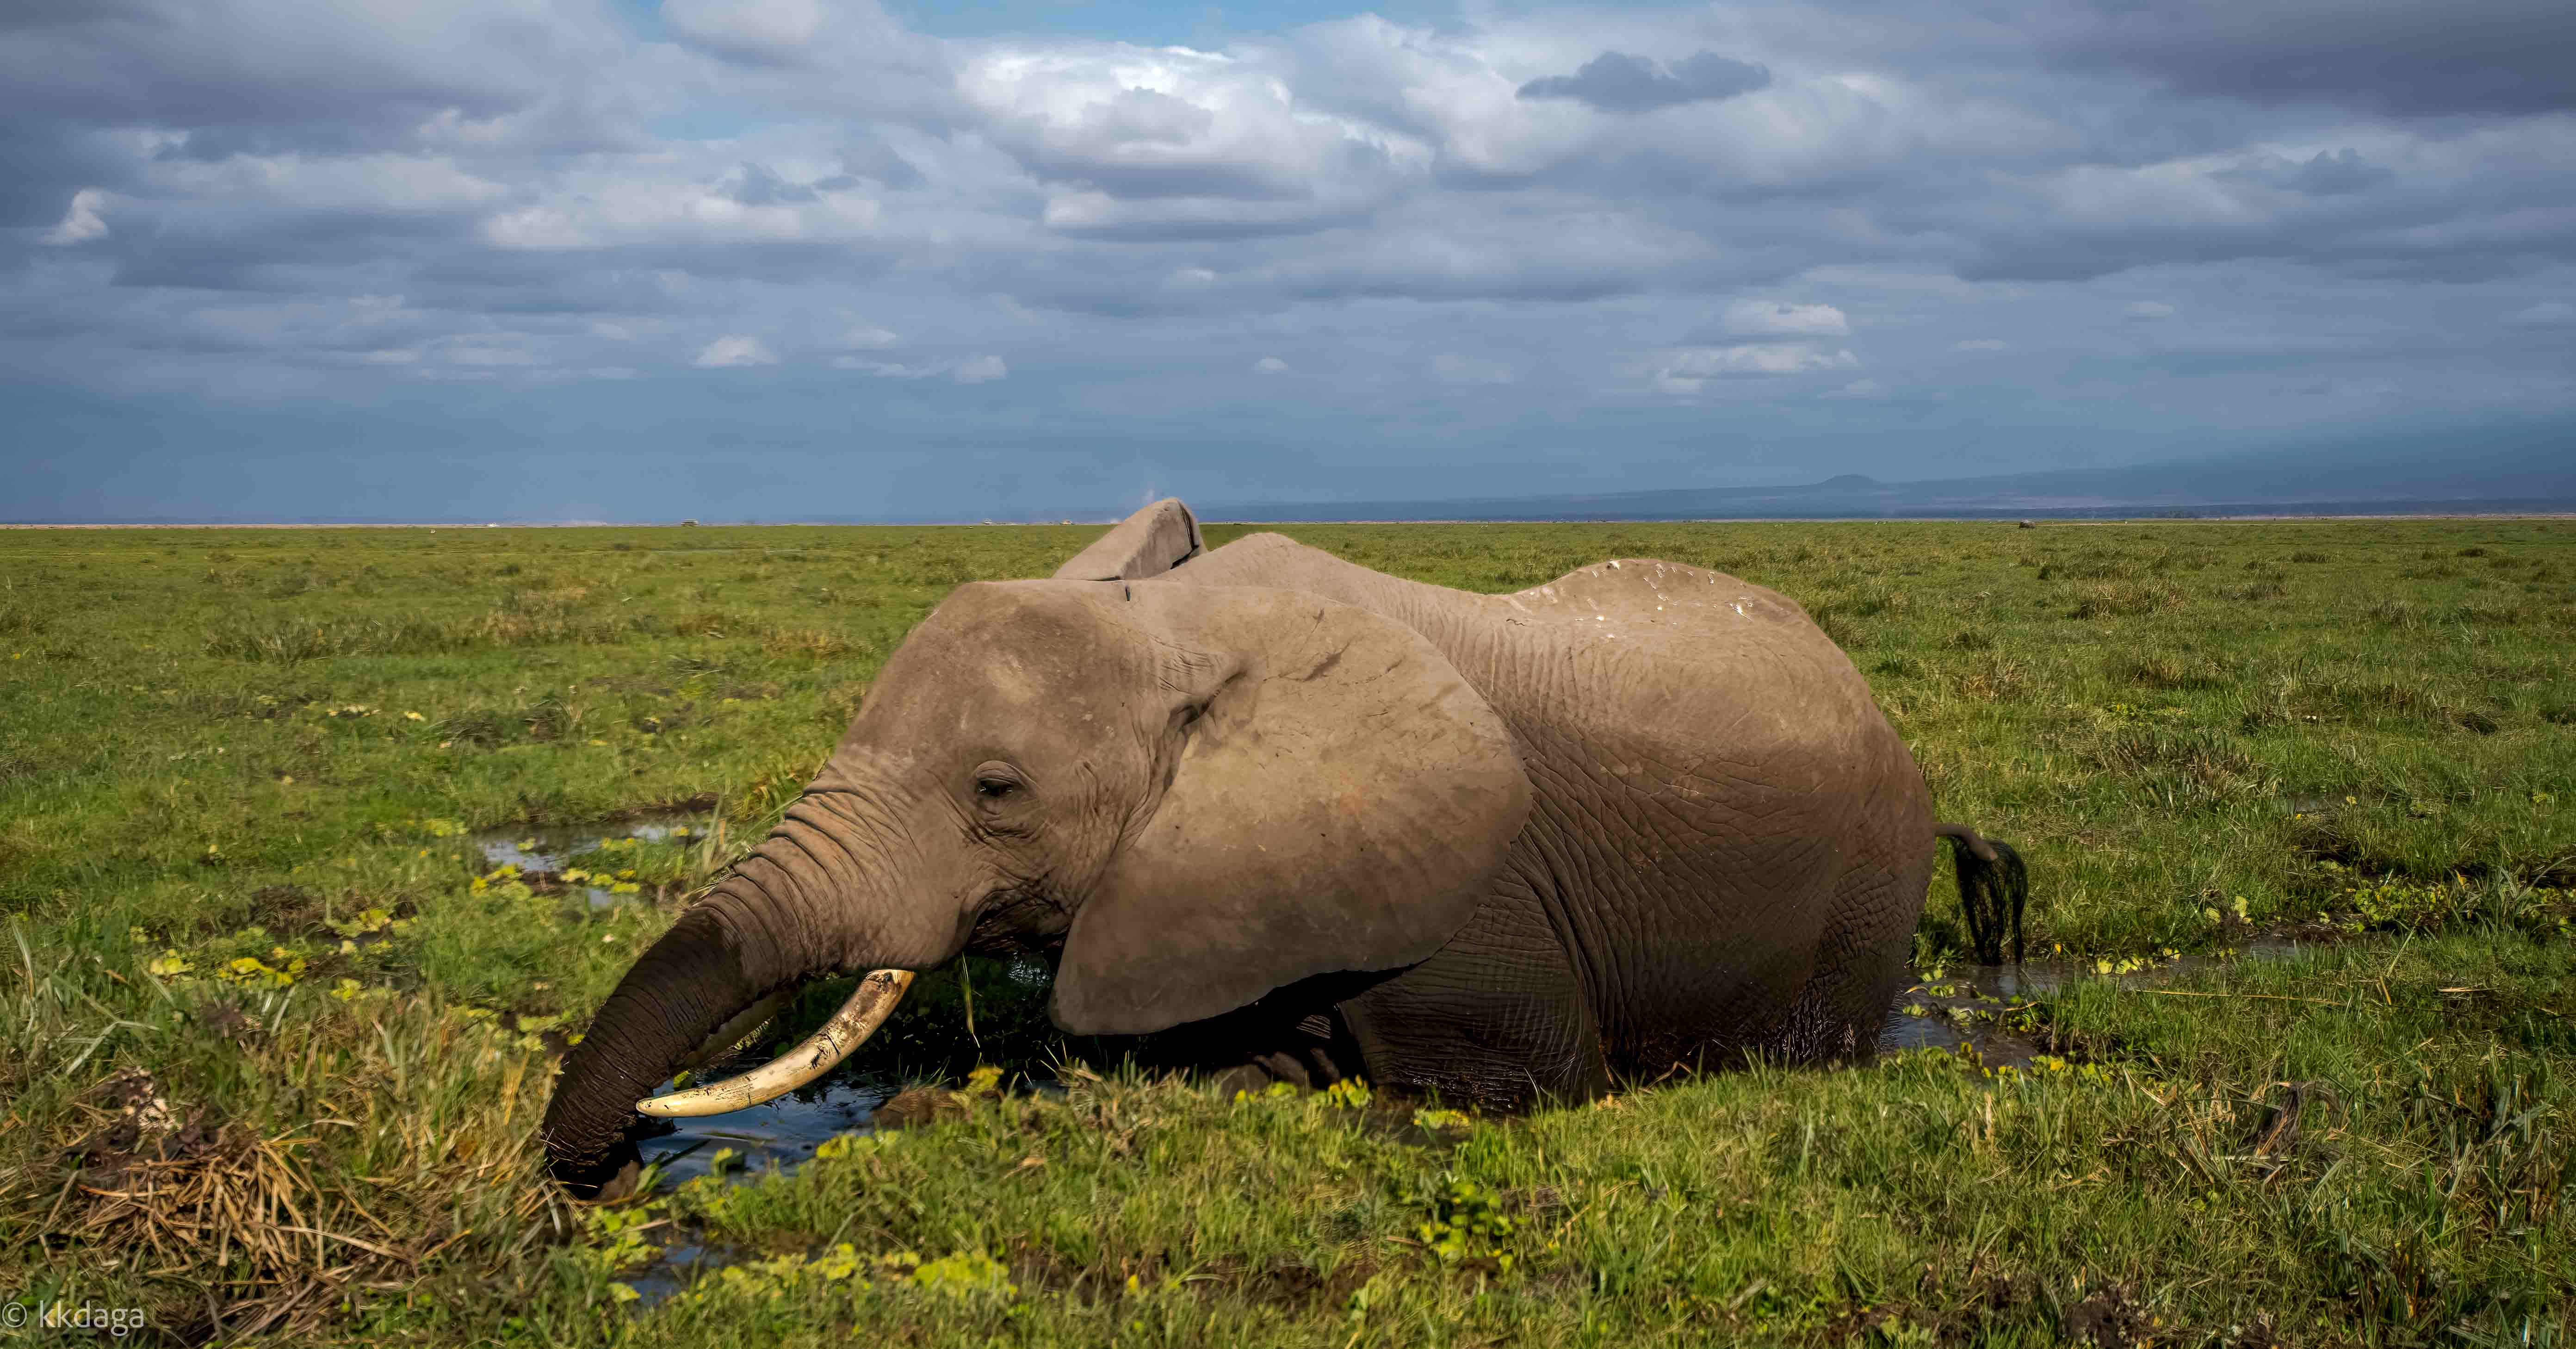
<point x="996" y="781"/>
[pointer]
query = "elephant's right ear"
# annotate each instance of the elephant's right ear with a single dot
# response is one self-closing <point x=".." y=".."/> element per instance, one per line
<point x="1150" y="542"/>
<point x="1340" y="799"/>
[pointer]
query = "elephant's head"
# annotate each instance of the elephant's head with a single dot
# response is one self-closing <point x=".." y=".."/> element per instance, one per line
<point x="1197" y="793"/>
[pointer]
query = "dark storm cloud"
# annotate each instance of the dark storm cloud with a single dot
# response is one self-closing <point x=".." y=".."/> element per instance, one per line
<point x="758" y="186"/>
<point x="243" y="64"/>
<point x="873" y="161"/>
<point x="1361" y="234"/>
<point x="2462" y="56"/>
<point x="1618" y="82"/>
<point x="44" y="160"/>
<point x="215" y="144"/>
<point x="2349" y="217"/>
<point x="2328" y="174"/>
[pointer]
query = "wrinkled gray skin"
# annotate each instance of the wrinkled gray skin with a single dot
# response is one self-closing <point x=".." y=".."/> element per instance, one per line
<point x="1329" y="823"/>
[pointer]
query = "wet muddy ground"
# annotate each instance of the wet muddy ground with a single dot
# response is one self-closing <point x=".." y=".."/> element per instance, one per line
<point x="1983" y="1007"/>
<point x="548" y="851"/>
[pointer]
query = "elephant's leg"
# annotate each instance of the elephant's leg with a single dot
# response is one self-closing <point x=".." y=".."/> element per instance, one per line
<point x="1496" y="1017"/>
<point x="1860" y="965"/>
<point x="1294" y="1035"/>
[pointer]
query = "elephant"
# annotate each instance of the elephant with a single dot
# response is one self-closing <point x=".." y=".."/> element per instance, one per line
<point x="1309" y="821"/>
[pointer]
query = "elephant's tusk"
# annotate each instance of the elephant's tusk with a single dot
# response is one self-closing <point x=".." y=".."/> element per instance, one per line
<point x="850" y="1027"/>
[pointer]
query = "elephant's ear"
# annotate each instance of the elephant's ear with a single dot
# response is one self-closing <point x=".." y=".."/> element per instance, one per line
<point x="1340" y="799"/>
<point x="1150" y="542"/>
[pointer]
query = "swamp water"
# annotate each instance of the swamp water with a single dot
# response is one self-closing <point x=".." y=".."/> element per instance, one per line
<point x="785" y="1131"/>
<point x="1959" y="1008"/>
<point x="1972" y="1007"/>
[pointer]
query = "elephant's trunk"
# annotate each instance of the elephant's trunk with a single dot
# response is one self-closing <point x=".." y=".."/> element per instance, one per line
<point x="756" y="934"/>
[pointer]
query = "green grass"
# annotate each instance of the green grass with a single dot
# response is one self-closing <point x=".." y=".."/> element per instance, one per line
<point x="238" y="768"/>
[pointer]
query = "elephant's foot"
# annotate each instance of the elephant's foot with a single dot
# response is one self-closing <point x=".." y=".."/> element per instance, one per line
<point x="1306" y="1059"/>
<point x="1261" y="1046"/>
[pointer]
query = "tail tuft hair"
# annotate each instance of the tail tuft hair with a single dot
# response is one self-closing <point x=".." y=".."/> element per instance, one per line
<point x="1994" y="887"/>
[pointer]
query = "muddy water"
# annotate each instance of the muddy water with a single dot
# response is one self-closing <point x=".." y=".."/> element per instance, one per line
<point x="784" y="1131"/>
<point x="1973" y="1006"/>
<point x="552" y="849"/>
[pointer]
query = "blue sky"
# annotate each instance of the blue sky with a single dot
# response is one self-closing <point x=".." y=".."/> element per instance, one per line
<point x="778" y="259"/>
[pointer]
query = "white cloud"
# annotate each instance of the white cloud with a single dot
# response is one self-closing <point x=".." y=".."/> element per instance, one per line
<point x="82" y="222"/>
<point x="1270" y="365"/>
<point x="839" y="39"/>
<point x="2146" y="311"/>
<point x="1687" y="370"/>
<point x="1757" y="358"/>
<point x="778" y="31"/>
<point x="2546" y="314"/>
<point x="885" y="369"/>
<point x="1774" y="318"/>
<point x="868" y="337"/>
<point x="981" y="370"/>
<point x="735" y="349"/>
<point x="1165" y="142"/>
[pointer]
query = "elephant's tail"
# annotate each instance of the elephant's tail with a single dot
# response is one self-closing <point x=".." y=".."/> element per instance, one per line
<point x="1992" y="880"/>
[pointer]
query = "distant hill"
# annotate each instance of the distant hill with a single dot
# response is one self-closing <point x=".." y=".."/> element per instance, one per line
<point x="2509" y="472"/>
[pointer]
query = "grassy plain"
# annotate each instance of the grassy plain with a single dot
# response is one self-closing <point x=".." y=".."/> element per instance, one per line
<point x="238" y="771"/>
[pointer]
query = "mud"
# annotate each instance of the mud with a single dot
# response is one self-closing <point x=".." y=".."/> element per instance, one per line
<point x="1983" y="1007"/>
<point x="542" y="852"/>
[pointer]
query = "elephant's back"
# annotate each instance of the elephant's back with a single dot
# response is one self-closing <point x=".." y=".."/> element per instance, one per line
<point x="1689" y="644"/>
<point x="1668" y="603"/>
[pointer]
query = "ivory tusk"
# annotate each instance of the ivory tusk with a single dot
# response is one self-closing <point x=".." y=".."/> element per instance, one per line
<point x="850" y="1027"/>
